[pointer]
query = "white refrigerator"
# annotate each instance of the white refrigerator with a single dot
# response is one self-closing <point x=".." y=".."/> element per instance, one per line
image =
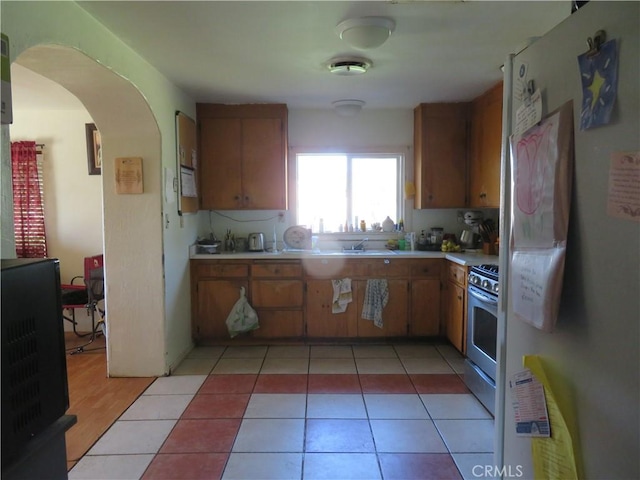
<point x="592" y="354"/>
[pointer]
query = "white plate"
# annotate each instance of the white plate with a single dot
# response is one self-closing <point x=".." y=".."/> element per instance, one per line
<point x="297" y="237"/>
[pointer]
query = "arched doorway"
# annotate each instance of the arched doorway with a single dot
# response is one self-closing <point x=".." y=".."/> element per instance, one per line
<point x="132" y="224"/>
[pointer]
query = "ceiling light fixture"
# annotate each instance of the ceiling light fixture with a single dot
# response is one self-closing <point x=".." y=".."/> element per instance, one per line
<point x="365" y="32"/>
<point x="349" y="65"/>
<point x="348" y="108"/>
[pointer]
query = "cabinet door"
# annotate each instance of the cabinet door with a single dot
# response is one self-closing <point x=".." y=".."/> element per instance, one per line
<point x="215" y="299"/>
<point x="440" y="142"/>
<point x="425" y="307"/>
<point x="277" y="293"/>
<point x="486" y="149"/>
<point x="279" y="324"/>
<point x="321" y="321"/>
<point x="220" y="163"/>
<point x="263" y="164"/>
<point x="455" y="315"/>
<point x="394" y="314"/>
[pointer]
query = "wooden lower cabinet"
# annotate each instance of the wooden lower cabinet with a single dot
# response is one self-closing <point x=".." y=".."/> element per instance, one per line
<point x="425" y="307"/>
<point x="279" y="324"/>
<point x="294" y="298"/>
<point x="214" y="301"/>
<point x="455" y="299"/>
<point x="321" y="321"/>
<point x="395" y="314"/>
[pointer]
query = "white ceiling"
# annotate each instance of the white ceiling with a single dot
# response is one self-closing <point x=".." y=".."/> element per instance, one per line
<point x="263" y="51"/>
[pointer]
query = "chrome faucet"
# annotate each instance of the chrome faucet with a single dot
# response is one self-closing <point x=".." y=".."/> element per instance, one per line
<point x="360" y="244"/>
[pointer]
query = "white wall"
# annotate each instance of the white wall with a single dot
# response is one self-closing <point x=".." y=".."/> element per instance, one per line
<point x="134" y="107"/>
<point x="72" y="197"/>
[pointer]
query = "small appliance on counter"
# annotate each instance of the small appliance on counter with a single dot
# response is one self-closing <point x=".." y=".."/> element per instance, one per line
<point x="255" y="242"/>
<point x="209" y="245"/>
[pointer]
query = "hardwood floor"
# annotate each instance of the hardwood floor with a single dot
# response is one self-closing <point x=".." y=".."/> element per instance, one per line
<point x="94" y="398"/>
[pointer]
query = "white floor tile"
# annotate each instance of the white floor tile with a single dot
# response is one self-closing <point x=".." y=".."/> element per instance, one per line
<point x="473" y="466"/>
<point x="270" y="435"/>
<point x="454" y="406"/>
<point x="457" y="364"/>
<point x="449" y="352"/>
<point x="342" y="466"/>
<point x="379" y="366"/>
<point x="237" y="365"/>
<point x="426" y="365"/>
<point x="263" y="466"/>
<point x="407" y="436"/>
<point x="245" y="351"/>
<point x="417" y="351"/>
<point x="157" y="407"/>
<point x="285" y="365"/>
<point x="194" y="366"/>
<point x="175" y="385"/>
<point x="276" y="405"/>
<point x="467" y="436"/>
<point x="332" y="365"/>
<point x="288" y="351"/>
<point x="395" y="406"/>
<point x="133" y="437"/>
<point x="206" y="352"/>
<point x="112" y="467"/>
<point x="335" y="406"/>
<point x="374" y="351"/>
<point x="331" y="351"/>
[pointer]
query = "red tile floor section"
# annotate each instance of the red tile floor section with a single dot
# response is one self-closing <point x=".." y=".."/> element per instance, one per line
<point x="212" y="419"/>
<point x="332" y="426"/>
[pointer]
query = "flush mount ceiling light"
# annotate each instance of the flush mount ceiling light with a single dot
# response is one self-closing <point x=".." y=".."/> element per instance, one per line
<point x="347" y="108"/>
<point x="349" y="65"/>
<point x="365" y="32"/>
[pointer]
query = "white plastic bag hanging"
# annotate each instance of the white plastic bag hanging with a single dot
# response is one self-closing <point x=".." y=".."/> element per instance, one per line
<point x="242" y="318"/>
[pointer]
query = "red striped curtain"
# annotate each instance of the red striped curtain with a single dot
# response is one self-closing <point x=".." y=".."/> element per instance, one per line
<point x="28" y="211"/>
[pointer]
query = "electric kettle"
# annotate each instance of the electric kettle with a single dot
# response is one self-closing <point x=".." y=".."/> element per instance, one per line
<point x="256" y="242"/>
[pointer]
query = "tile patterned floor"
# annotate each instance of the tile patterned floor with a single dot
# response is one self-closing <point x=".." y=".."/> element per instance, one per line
<point x="301" y="412"/>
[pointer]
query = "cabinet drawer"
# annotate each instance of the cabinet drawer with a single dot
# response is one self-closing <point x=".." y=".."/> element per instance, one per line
<point x="387" y="267"/>
<point x="426" y="268"/>
<point x="221" y="270"/>
<point x="458" y="274"/>
<point x="335" y="268"/>
<point x="279" y="324"/>
<point x="277" y="293"/>
<point x="261" y="270"/>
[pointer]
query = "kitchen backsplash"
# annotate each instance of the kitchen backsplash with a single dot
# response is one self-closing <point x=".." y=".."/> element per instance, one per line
<point x="270" y="222"/>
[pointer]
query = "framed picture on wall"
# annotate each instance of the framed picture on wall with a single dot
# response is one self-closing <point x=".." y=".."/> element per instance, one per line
<point x="94" y="149"/>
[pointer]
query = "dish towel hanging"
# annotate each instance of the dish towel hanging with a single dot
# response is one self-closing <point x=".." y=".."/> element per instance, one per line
<point x="342" y="295"/>
<point x="376" y="297"/>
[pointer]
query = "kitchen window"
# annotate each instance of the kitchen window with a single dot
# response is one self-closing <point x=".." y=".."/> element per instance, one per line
<point x="335" y="188"/>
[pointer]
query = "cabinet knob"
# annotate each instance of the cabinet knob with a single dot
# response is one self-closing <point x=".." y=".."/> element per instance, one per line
<point x="387" y="261"/>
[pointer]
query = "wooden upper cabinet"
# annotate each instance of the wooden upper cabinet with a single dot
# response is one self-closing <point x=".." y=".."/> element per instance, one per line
<point x="243" y="156"/>
<point x="486" y="148"/>
<point x="440" y="143"/>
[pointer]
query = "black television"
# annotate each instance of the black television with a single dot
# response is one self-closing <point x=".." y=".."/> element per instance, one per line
<point x="35" y="391"/>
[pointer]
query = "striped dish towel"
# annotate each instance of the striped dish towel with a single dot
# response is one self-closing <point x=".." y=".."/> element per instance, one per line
<point x="376" y="297"/>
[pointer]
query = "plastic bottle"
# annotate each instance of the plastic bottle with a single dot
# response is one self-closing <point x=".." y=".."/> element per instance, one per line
<point x="321" y="226"/>
<point x="401" y="225"/>
<point x="363" y="226"/>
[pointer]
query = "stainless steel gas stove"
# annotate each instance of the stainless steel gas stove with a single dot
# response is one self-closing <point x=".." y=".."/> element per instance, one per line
<point x="482" y="327"/>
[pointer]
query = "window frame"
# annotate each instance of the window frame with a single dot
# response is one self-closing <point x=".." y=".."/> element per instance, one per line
<point x="397" y="152"/>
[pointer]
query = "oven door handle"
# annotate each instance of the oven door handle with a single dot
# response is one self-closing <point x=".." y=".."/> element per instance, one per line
<point x="483" y="298"/>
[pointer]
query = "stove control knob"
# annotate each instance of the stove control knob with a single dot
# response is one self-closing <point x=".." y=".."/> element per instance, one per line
<point x="486" y="284"/>
<point x="496" y="288"/>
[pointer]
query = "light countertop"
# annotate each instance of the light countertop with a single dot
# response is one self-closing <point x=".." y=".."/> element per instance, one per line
<point x="469" y="258"/>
